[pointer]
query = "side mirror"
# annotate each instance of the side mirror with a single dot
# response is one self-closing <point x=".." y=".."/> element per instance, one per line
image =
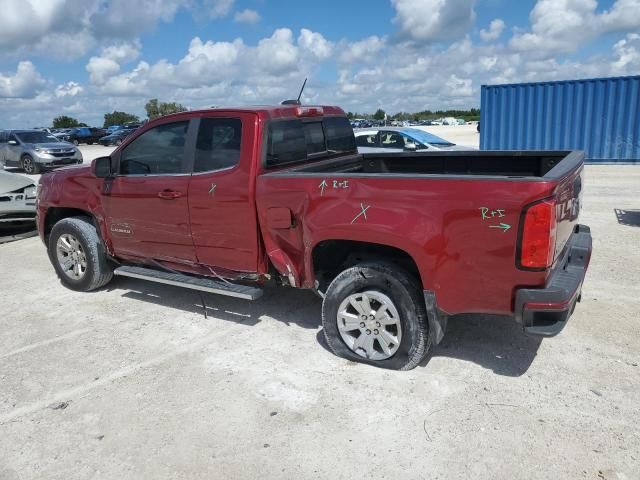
<point x="12" y="142"/>
<point x="101" y="167"/>
<point x="410" y="146"/>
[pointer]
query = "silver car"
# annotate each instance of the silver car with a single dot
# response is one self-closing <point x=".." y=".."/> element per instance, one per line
<point x="17" y="200"/>
<point x="34" y="150"/>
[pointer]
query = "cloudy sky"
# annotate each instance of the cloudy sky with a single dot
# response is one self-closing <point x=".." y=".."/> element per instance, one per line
<point x="85" y="57"/>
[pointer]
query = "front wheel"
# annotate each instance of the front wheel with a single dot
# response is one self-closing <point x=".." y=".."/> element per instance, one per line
<point x="374" y="313"/>
<point x="29" y="166"/>
<point x="77" y="255"/>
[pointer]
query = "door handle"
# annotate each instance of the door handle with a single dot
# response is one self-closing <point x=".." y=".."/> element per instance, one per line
<point x="169" y="194"/>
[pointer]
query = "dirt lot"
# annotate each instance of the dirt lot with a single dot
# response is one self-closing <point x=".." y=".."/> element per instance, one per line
<point x="132" y="381"/>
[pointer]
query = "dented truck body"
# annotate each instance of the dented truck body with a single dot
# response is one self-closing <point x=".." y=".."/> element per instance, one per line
<point x="285" y="194"/>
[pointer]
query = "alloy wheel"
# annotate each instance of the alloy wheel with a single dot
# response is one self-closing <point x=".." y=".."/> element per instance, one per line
<point x="71" y="256"/>
<point x="369" y="325"/>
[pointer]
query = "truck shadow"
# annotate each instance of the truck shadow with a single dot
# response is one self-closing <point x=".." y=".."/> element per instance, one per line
<point x="493" y="342"/>
<point x="289" y="306"/>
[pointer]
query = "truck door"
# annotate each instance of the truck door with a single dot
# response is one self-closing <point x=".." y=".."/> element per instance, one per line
<point x="224" y="226"/>
<point x="146" y="205"/>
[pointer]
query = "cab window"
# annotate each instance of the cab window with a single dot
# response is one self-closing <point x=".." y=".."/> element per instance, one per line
<point x="159" y="151"/>
<point x="218" y="144"/>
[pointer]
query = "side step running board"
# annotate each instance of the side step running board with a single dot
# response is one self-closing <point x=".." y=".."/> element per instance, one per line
<point x="186" y="281"/>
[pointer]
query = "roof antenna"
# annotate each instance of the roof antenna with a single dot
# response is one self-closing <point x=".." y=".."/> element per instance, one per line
<point x="297" y="101"/>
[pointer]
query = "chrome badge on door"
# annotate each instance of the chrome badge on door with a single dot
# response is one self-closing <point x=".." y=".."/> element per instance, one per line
<point x="121" y="229"/>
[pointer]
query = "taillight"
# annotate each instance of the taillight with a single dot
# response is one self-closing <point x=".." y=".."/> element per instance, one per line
<point x="538" y="235"/>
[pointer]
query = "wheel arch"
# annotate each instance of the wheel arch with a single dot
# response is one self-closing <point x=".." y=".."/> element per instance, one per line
<point x="55" y="214"/>
<point x="331" y="256"/>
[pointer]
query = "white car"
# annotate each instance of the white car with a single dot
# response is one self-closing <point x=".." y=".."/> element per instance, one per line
<point x="393" y="140"/>
<point x="17" y="200"/>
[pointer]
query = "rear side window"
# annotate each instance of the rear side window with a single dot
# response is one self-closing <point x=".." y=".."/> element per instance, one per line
<point x="287" y="143"/>
<point x="314" y="136"/>
<point x="339" y="134"/>
<point x="158" y="151"/>
<point x="292" y="141"/>
<point x="218" y="144"/>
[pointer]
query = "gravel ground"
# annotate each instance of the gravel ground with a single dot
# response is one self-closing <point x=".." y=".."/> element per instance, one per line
<point x="133" y="382"/>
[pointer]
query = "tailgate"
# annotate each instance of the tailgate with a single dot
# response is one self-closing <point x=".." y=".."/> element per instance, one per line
<point x="568" y="205"/>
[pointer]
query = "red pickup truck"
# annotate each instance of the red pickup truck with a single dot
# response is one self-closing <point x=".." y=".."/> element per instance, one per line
<point x="225" y="200"/>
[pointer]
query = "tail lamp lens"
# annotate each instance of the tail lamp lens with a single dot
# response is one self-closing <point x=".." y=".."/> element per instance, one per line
<point x="538" y="235"/>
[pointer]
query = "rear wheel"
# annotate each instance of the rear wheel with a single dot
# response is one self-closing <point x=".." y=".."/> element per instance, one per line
<point x="374" y="313"/>
<point x="29" y="166"/>
<point x="78" y="256"/>
<point x="76" y="142"/>
<point x="118" y="142"/>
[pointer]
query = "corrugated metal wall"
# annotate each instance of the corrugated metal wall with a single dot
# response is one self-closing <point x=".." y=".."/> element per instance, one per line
<point x="600" y="116"/>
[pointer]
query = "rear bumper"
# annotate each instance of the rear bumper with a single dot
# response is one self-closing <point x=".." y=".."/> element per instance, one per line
<point x="545" y="311"/>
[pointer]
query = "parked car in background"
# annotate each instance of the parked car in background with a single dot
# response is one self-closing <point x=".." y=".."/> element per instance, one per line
<point x="117" y="137"/>
<point x="399" y="139"/>
<point x="17" y="201"/>
<point x="34" y="150"/>
<point x="60" y="132"/>
<point x="88" y="135"/>
<point x="113" y="128"/>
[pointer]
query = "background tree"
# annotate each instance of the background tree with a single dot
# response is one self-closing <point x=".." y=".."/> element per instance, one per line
<point x="65" y="122"/>
<point x="157" y="109"/>
<point x="379" y="115"/>
<point x="119" y="118"/>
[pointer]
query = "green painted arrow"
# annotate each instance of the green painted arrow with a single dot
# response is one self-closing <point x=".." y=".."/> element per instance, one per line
<point x="503" y="226"/>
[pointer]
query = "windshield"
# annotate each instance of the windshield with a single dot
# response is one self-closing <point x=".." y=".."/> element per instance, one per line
<point x="36" y="137"/>
<point x="426" y="137"/>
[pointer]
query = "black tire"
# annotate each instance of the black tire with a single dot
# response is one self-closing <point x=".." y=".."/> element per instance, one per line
<point x="406" y="296"/>
<point x="118" y="142"/>
<point x="98" y="271"/>
<point x="29" y="166"/>
<point x="76" y="142"/>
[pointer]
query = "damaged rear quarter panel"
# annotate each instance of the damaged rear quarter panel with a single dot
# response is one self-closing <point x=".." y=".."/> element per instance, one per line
<point x="462" y="254"/>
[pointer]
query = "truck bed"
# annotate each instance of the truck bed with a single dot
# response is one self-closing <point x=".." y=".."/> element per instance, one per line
<point x="516" y="164"/>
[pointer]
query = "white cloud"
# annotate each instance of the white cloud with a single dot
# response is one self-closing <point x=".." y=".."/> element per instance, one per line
<point x="562" y="26"/>
<point x="627" y="53"/>
<point x="69" y="89"/>
<point x="218" y="8"/>
<point x="247" y="16"/>
<point x="362" y="51"/>
<point x="277" y="53"/>
<point x="25" y="83"/>
<point x="69" y="29"/>
<point x="433" y="20"/>
<point x="108" y="63"/>
<point x="496" y="28"/>
<point x="315" y="44"/>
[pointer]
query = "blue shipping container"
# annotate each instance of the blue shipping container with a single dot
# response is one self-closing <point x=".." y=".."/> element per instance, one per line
<point x="600" y="116"/>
